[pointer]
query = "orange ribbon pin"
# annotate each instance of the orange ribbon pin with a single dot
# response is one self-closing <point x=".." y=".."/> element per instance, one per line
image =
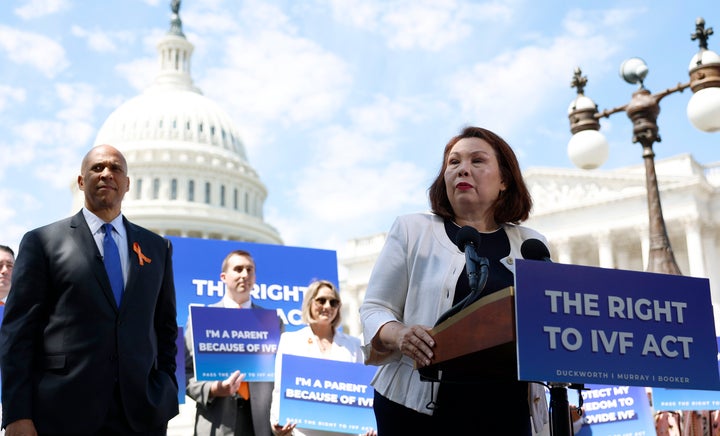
<point x="141" y="256"/>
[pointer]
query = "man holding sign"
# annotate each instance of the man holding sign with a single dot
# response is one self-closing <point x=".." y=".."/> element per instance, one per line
<point x="230" y="406"/>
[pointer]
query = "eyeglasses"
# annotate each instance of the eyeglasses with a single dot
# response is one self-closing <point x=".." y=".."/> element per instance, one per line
<point x="322" y="300"/>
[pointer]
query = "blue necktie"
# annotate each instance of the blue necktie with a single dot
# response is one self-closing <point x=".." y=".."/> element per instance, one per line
<point x="112" y="263"/>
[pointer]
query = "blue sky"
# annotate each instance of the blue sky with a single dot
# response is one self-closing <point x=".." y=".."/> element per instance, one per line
<point x="344" y="105"/>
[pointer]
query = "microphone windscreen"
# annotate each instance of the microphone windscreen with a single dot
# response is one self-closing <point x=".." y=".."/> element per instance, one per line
<point x="467" y="235"/>
<point x="534" y="249"/>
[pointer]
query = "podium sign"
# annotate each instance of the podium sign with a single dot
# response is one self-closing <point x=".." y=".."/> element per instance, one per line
<point x="582" y="324"/>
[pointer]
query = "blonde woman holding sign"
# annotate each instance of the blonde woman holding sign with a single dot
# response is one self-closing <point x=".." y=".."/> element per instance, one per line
<point x="320" y="339"/>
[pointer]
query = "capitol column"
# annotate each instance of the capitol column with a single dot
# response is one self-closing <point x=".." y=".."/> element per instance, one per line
<point x="711" y="254"/>
<point x="695" y="249"/>
<point x="605" y="249"/>
<point x="645" y="244"/>
<point x="564" y="251"/>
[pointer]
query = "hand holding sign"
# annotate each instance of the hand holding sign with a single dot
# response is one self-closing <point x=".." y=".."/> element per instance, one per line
<point x="227" y="387"/>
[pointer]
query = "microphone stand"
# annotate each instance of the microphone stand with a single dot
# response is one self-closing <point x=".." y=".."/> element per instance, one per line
<point x="477" y="281"/>
<point x="560" y="421"/>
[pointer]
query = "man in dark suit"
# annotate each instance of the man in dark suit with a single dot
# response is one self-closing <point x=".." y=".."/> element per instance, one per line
<point x="75" y="357"/>
<point x="221" y="410"/>
<point x="7" y="262"/>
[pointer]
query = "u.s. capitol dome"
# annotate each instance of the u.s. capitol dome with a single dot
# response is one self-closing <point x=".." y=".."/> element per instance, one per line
<point x="189" y="172"/>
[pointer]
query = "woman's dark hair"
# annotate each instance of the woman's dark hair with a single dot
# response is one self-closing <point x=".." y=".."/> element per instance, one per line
<point x="512" y="206"/>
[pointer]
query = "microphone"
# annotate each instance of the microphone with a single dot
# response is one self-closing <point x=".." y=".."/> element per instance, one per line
<point x="467" y="239"/>
<point x="534" y="249"/>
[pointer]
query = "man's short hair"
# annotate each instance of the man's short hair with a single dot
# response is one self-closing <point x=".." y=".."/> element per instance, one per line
<point x="7" y="249"/>
<point x="236" y="253"/>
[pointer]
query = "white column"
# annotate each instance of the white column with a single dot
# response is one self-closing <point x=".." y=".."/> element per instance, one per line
<point x="695" y="251"/>
<point x="605" y="250"/>
<point x="645" y="243"/>
<point x="351" y="307"/>
<point x="564" y="251"/>
<point x="164" y="187"/>
<point x="147" y="187"/>
<point x="711" y="255"/>
<point x="623" y="259"/>
<point x="181" y="186"/>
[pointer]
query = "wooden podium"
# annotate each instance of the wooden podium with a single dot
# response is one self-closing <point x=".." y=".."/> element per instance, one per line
<point x="477" y="343"/>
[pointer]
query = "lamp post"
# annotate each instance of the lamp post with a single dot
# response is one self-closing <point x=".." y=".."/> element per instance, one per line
<point x="588" y="148"/>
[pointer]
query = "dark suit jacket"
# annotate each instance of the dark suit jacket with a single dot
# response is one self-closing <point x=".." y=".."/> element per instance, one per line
<point x="217" y="416"/>
<point x="64" y="343"/>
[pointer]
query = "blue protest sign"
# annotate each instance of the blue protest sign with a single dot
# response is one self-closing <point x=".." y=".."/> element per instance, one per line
<point x="283" y="274"/>
<point x="605" y="326"/>
<point x="681" y="399"/>
<point x="616" y="410"/>
<point x="326" y="394"/>
<point x="226" y="340"/>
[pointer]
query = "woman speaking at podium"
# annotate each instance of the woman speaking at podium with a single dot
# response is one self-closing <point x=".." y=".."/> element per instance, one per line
<point x="421" y="273"/>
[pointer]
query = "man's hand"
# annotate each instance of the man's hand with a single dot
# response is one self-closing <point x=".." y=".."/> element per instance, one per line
<point x="21" y="427"/>
<point x="227" y="387"/>
<point x="283" y="430"/>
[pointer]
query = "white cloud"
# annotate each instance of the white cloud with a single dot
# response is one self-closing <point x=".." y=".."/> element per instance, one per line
<point x="347" y="148"/>
<point x="80" y="102"/>
<point x="280" y="76"/>
<point x="384" y="115"/>
<point x="333" y="204"/>
<point x="273" y="75"/>
<point x="21" y="151"/>
<point x="434" y="26"/>
<point x="139" y="73"/>
<point x="522" y="81"/>
<point x="257" y="15"/>
<point x="38" y="51"/>
<point x="276" y="78"/>
<point x="9" y="94"/>
<point x="419" y="24"/>
<point x="14" y="204"/>
<point x="51" y="150"/>
<point x="208" y="21"/>
<point x="352" y="182"/>
<point x="101" y="41"/>
<point x="40" y="8"/>
<point x="334" y="194"/>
